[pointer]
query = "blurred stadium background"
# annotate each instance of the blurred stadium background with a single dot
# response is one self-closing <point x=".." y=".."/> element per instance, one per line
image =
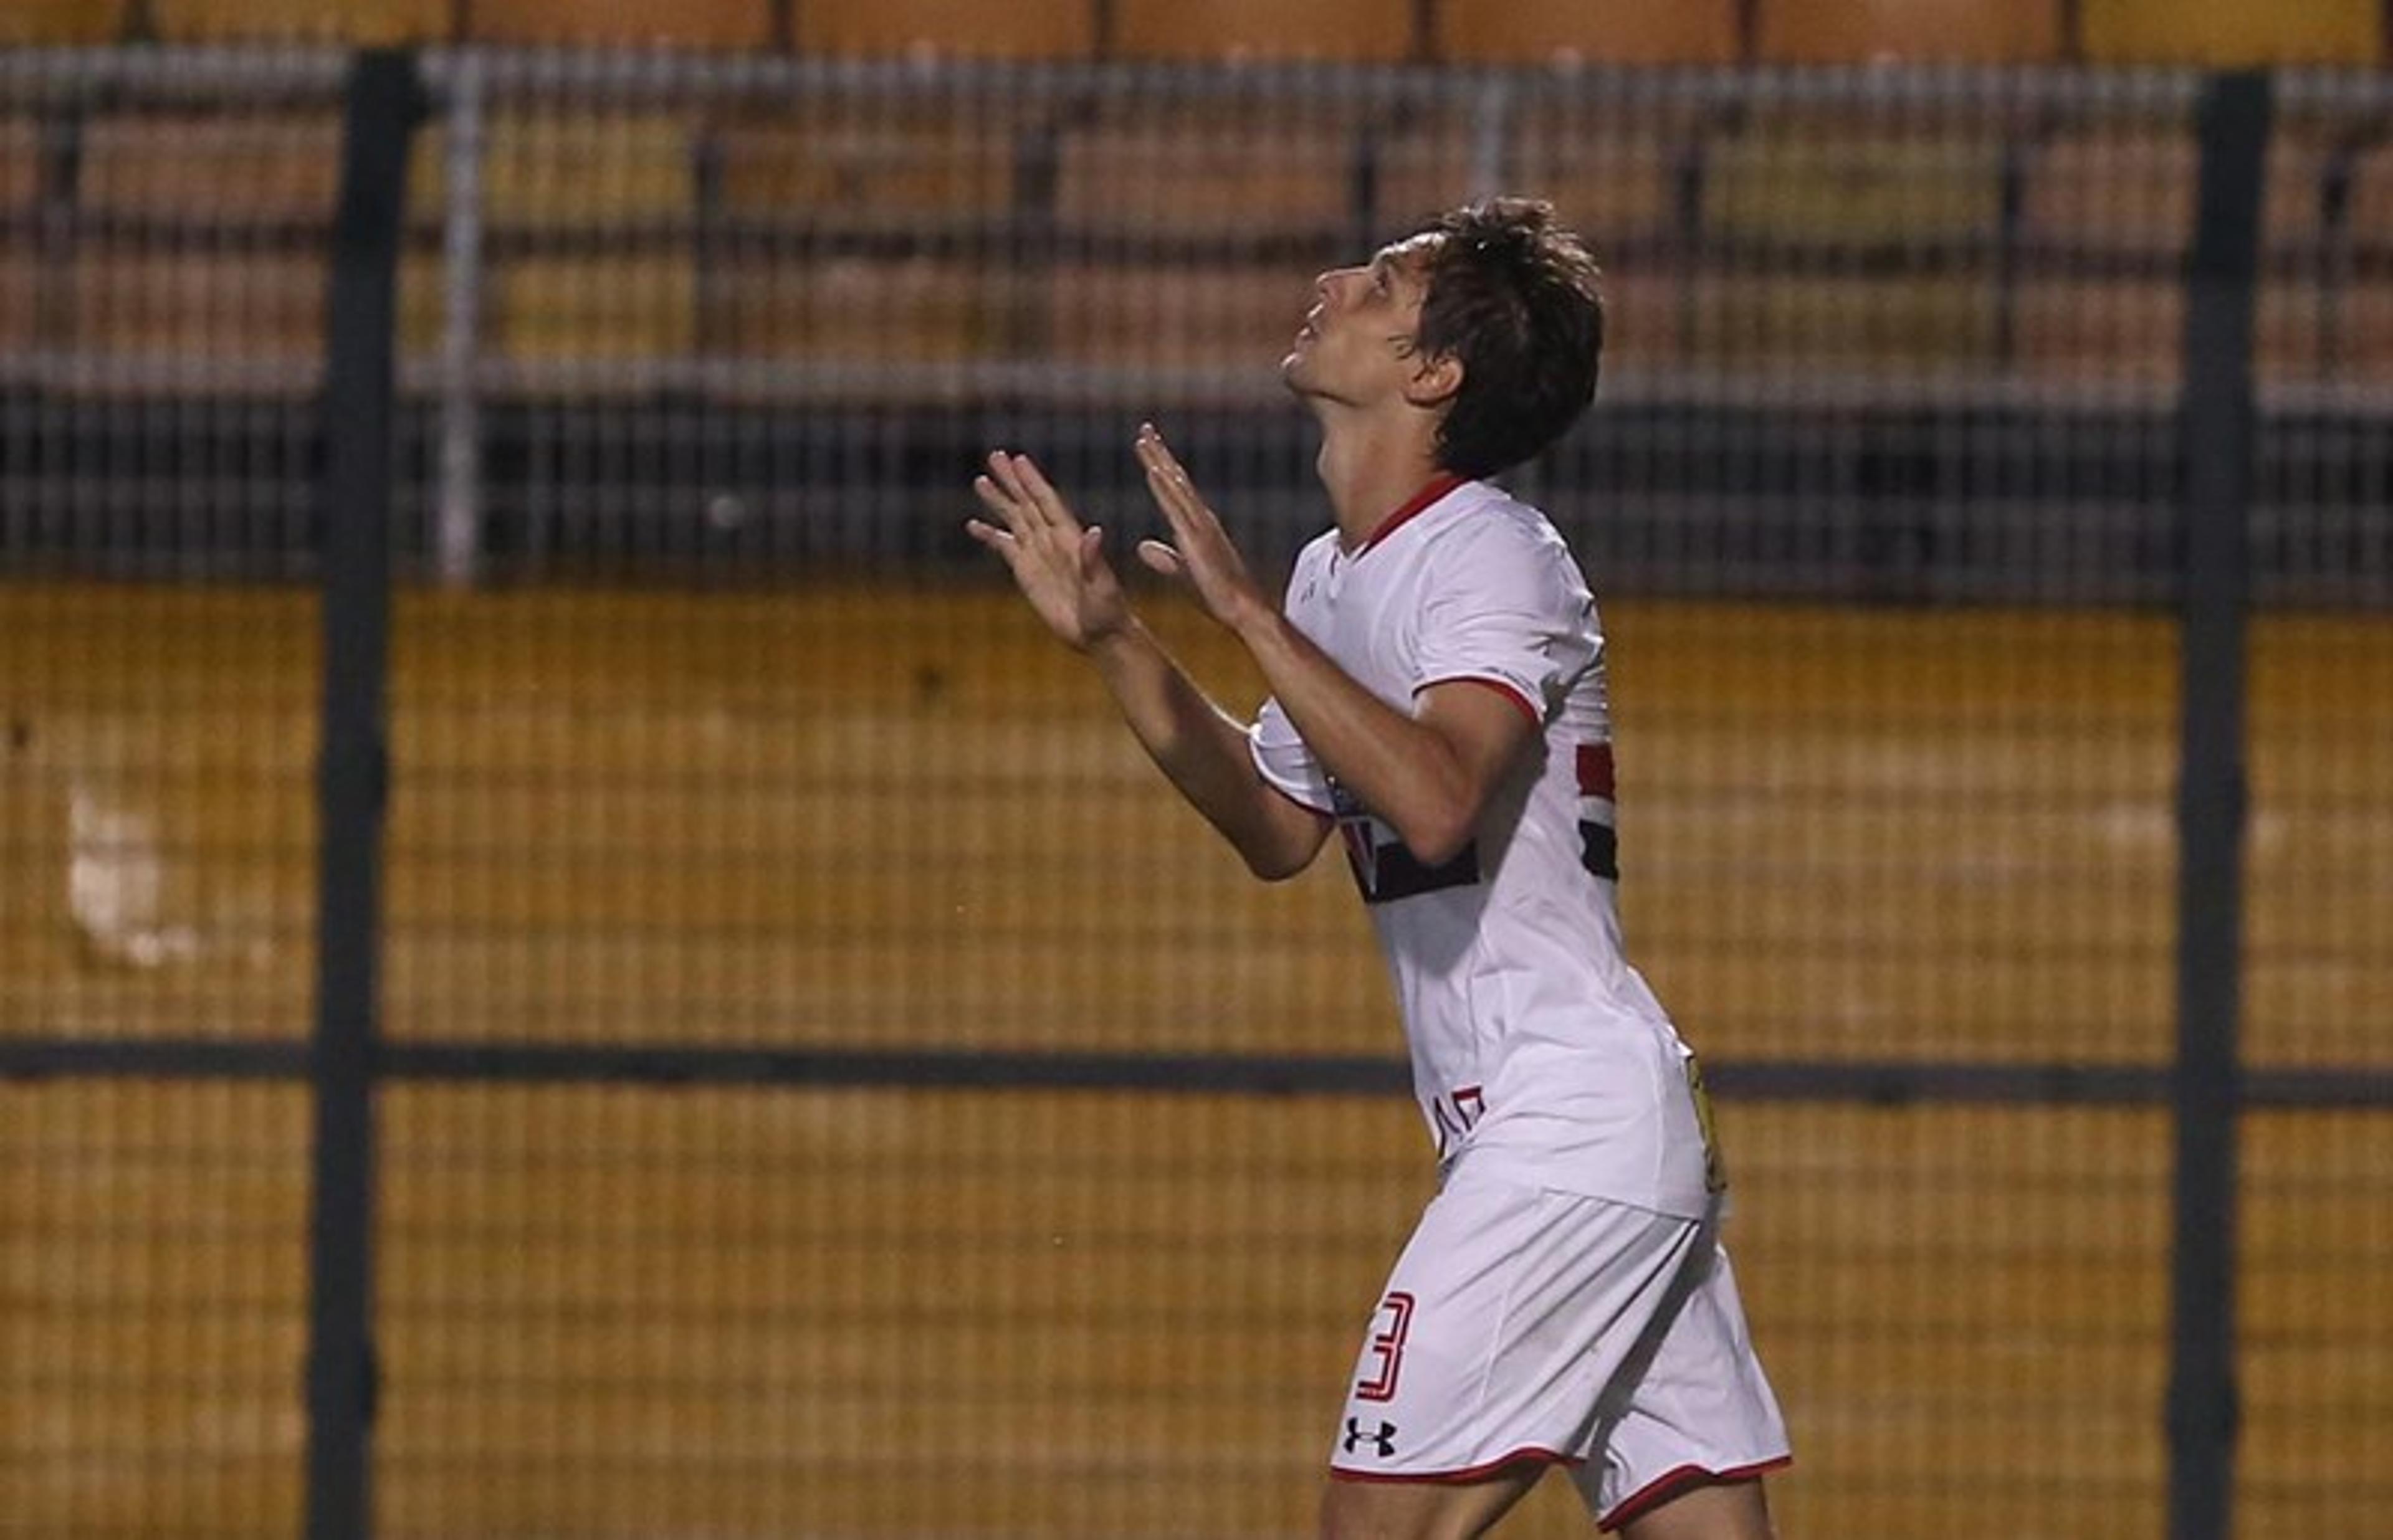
<point x="822" y="1084"/>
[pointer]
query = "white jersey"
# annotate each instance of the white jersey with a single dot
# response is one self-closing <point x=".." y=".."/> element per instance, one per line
<point x="1538" y="1052"/>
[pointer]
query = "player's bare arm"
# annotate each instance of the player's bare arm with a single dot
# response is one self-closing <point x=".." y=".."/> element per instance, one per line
<point x="1061" y="568"/>
<point x="1429" y="774"/>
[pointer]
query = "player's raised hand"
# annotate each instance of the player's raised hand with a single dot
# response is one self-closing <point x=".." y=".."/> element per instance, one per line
<point x="1200" y="552"/>
<point x="1059" y="565"/>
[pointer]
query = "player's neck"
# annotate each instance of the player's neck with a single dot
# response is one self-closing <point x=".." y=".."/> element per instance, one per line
<point x="1371" y="474"/>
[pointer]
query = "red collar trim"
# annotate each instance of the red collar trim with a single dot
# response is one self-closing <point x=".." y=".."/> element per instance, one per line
<point x="1420" y="503"/>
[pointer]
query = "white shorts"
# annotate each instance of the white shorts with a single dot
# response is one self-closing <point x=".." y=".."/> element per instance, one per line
<point x="1521" y="1325"/>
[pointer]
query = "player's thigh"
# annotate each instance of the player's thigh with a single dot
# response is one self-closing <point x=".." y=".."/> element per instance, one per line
<point x="1424" y="1510"/>
<point x="1715" y="1510"/>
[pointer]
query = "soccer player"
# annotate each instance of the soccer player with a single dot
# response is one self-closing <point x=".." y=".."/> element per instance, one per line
<point x="1438" y="701"/>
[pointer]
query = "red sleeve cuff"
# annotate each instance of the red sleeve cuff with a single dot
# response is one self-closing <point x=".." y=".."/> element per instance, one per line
<point x="1529" y="708"/>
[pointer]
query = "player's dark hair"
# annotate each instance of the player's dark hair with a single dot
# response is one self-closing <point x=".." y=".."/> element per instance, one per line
<point x="1514" y="297"/>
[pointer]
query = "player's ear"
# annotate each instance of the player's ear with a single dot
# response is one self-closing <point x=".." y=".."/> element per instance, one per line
<point x="1434" y="381"/>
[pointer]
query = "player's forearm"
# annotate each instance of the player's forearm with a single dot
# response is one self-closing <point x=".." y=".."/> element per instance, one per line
<point x="1400" y="769"/>
<point x="1203" y="751"/>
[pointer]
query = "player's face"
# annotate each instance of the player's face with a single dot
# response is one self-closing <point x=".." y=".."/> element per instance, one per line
<point x="1357" y="342"/>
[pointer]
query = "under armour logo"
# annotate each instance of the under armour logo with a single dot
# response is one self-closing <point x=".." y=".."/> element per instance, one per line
<point x="1384" y="1440"/>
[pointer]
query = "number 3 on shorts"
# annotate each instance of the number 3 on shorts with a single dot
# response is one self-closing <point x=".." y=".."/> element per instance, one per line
<point x="1388" y="1348"/>
<point x="1715" y="1168"/>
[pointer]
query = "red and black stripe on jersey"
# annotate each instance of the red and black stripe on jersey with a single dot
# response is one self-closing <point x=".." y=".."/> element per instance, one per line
<point x="1393" y="871"/>
<point x="1599" y="839"/>
<point x="1385" y="868"/>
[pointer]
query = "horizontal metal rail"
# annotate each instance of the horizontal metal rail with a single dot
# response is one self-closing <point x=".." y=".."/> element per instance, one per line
<point x="1879" y="1082"/>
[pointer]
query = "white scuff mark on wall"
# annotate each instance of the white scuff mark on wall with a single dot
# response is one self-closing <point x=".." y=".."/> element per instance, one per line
<point x="116" y="884"/>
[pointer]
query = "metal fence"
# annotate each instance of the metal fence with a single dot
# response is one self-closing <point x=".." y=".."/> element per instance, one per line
<point x="776" y="1041"/>
<point x="1875" y="330"/>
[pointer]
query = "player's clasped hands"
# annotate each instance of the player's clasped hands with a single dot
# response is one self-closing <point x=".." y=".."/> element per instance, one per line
<point x="1060" y="564"/>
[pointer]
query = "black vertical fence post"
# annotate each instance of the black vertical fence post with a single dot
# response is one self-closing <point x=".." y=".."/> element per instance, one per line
<point x="2216" y="418"/>
<point x="386" y="102"/>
